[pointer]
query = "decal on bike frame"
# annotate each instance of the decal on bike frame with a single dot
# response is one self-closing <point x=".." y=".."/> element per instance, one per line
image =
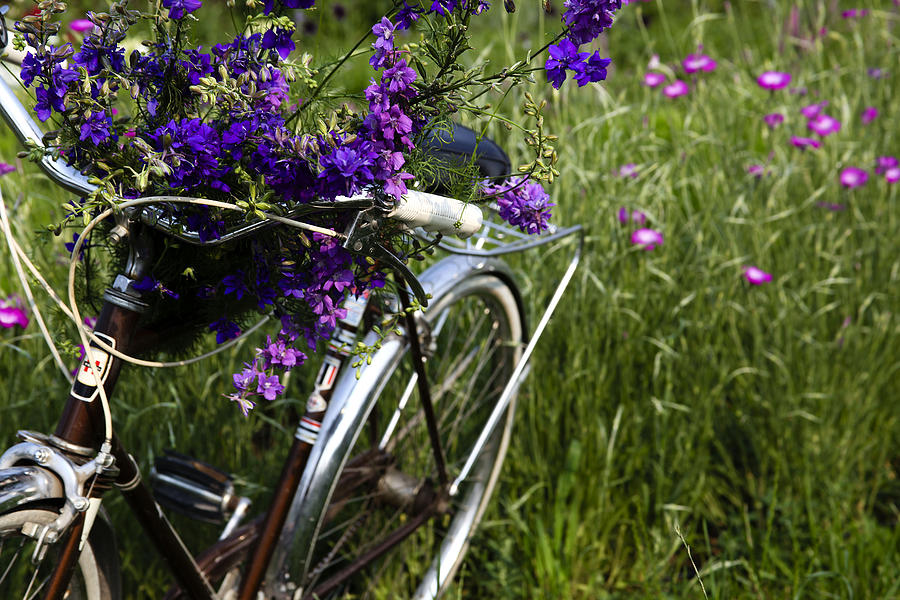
<point x="85" y="385"/>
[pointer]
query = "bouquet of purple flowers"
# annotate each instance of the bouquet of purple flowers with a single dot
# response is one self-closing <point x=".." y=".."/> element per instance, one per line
<point x="251" y="121"/>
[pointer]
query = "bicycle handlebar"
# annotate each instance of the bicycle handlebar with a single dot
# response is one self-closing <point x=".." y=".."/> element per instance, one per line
<point x="439" y="214"/>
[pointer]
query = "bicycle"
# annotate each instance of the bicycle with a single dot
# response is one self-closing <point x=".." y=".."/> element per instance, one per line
<point x="392" y="448"/>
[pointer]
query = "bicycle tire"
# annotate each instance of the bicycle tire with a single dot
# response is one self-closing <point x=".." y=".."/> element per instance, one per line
<point x="96" y="575"/>
<point x="479" y="304"/>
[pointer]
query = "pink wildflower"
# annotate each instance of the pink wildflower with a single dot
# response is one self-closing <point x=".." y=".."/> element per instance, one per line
<point x="81" y="25"/>
<point x="892" y="175"/>
<point x="824" y="125"/>
<point x="773" y="120"/>
<point x="813" y="110"/>
<point x="5" y="168"/>
<point x="773" y="80"/>
<point x="698" y="62"/>
<point x="805" y="142"/>
<point x="12" y="313"/>
<point x="648" y="238"/>
<point x="675" y="89"/>
<point x="869" y="114"/>
<point x="852" y="177"/>
<point x="756" y="276"/>
<point x="652" y="79"/>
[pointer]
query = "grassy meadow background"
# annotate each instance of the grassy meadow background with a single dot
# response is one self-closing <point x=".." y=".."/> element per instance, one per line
<point x="672" y="405"/>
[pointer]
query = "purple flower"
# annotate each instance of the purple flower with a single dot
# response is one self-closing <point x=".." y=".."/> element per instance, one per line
<point x="698" y="62"/>
<point x="824" y="125"/>
<point x="852" y="177"/>
<point x="564" y="55"/>
<point x="832" y="206"/>
<point x="805" y="142"/>
<point x="81" y="25"/>
<point x="243" y="380"/>
<point x="892" y="175"/>
<point x="384" y="42"/>
<point x="592" y="70"/>
<point x="6" y="169"/>
<point x="399" y="77"/>
<point x="96" y="128"/>
<point x="875" y="73"/>
<point x="12" y="313"/>
<point x="623" y="215"/>
<point x="225" y="330"/>
<point x="178" y="8"/>
<point x="869" y="114"/>
<point x="279" y="40"/>
<point x="586" y="19"/>
<point x="522" y="203"/>
<point x="406" y="16"/>
<point x="244" y="403"/>
<point x="653" y="79"/>
<point x="756" y="276"/>
<point x="813" y="110"/>
<point x="675" y="89"/>
<point x="773" y="80"/>
<point x="443" y="7"/>
<point x="773" y="120"/>
<point x="647" y="238"/>
<point x="269" y="387"/>
<point x="883" y="163"/>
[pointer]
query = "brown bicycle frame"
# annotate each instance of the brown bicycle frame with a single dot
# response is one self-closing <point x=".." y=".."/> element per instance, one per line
<point x="81" y="424"/>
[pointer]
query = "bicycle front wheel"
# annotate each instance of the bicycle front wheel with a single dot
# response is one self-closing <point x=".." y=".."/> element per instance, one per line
<point x="24" y="573"/>
<point x="391" y="499"/>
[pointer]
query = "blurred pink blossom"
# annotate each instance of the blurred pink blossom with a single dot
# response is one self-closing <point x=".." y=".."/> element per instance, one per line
<point x="883" y="163"/>
<point x="648" y="238"/>
<point x="773" y="80"/>
<point x="81" y="25"/>
<point x="675" y="89"/>
<point x="698" y="62"/>
<point x="756" y="276"/>
<point x="5" y="168"/>
<point x="653" y="79"/>
<point x="869" y="114"/>
<point x="773" y="120"/>
<point x="627" y="170"/>
<point x="813" y="110"/>
<point x="12" y="313"/>
<point x="824" y="125"/>
<point x="805" y="142"/>
<point x="892" y="175"/>
<point x="852" y="177"/>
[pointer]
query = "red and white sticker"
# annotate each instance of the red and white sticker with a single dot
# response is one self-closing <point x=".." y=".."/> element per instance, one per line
<point x="85" y="385"/>
<point x="308" y="430"/>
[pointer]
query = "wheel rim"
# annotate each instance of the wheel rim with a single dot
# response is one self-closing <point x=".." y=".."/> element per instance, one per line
<point x="466" y="377"/>
<point x="20" y="577"/>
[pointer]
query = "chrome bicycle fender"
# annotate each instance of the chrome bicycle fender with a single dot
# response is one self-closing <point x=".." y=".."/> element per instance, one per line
<point x="351" y="402"/>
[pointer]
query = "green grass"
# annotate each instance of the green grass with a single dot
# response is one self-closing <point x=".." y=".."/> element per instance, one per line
<point x="668" y="394"/>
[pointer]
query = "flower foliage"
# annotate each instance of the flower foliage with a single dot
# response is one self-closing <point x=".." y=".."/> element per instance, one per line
<point x="245" y="122"/>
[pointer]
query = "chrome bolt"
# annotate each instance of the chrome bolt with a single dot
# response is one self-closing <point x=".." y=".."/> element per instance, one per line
<point x="80" y="504"/>
<point x="42" y="455"/>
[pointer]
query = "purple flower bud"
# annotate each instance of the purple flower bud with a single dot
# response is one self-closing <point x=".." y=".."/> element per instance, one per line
<point x="623" y="215"/>
<point x="756" y="276"/>
<point x="5" y="168"/>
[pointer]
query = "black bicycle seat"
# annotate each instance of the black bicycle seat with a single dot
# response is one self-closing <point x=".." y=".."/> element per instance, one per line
<point x="457" y="145"/>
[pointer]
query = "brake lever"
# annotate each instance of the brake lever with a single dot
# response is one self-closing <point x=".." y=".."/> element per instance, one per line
<point x="362" y="238"/>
